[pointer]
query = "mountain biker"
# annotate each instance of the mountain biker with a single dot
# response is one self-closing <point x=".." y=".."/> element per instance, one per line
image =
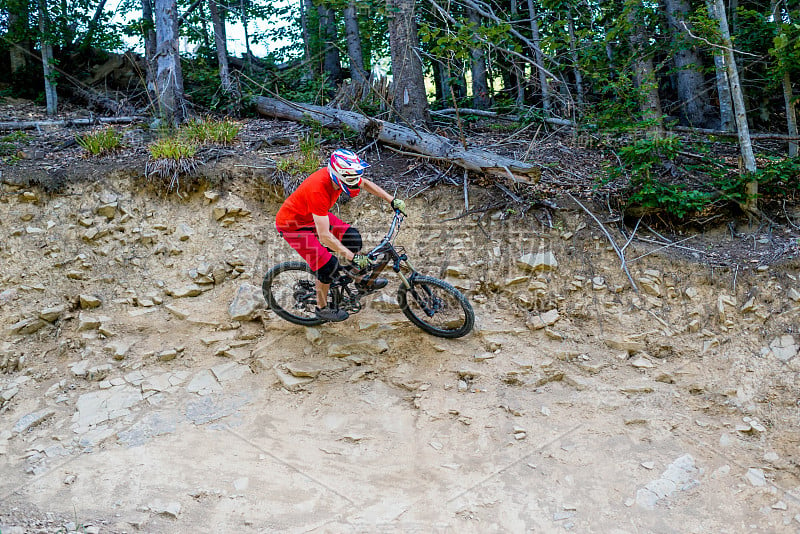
<point x="305" y="222"/>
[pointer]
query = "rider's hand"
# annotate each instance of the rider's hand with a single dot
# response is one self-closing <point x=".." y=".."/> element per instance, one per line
<point x="361" y="261"/>
<point x="399" y="205"/>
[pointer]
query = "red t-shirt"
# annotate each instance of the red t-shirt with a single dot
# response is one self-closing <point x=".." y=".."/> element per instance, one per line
<point x="315" y="196"/>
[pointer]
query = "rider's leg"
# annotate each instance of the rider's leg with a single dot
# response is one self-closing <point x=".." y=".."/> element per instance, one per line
<point x="322" y="294"/>
<point x="324" y="278"/>
<point x="348" y="235"/>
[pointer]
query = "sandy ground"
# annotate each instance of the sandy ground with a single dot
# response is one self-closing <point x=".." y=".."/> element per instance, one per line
<point x="671" y="410"/>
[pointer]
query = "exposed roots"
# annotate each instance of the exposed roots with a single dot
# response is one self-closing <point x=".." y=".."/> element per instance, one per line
<point x="167" y="172"/>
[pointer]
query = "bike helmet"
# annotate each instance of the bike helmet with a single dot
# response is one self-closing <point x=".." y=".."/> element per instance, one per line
<point x="346" y="168"/>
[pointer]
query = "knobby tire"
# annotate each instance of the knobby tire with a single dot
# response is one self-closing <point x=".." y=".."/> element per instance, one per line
<point x="273" y="284"/>
<point x="430" y="291"/>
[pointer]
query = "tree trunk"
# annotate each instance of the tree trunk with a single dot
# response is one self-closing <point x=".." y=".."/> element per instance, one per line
<point x="788" y="94"/>
<point x="220" y="42"/>
<point x="791" y="114"/>
<point x="18" y="34"/>
<point x="51" y="97"/>
<point x="480" y="84"/>
<point x="332" y="63"/>
<point x="539" y="58"/>
<point x="408" y="83"/>
<point x="357" y="73"/>
<point x="646" y="82"/>
<point x="743" y="130"/>
<point x="423" y="143"/>
<point x="305" y="8"/>
<point x="92" y="28"/>
<point x="169" y="77"/>
<point x="244" y="6"/>
<point x="149" y="44"/>
<point x="726" y="118"/>
<point x="576" y="68"/>
<point x="518" y="69"/>
<point x="693" y="98"/>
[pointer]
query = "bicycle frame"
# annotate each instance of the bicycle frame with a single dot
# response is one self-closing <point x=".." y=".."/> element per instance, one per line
<point x="382" y="255"/>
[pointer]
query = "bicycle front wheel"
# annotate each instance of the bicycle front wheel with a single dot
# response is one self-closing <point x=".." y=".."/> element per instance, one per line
<point x="290" y="291"/>
<point x="436" y="307"/>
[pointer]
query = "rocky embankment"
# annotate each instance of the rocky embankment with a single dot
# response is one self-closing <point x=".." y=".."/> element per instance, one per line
<point x="131" y="320"/>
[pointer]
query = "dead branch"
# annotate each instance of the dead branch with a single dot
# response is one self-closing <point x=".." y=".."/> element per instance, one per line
<point x="31" y="125"/>
<point x="723" y="133"/>
<point x="620" y="252"/>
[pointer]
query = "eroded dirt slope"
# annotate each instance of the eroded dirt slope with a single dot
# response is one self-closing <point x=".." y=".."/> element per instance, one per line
<point x="144" y="387"/>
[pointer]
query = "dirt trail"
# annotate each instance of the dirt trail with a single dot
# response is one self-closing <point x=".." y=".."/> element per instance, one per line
<point x="132" y="400"/>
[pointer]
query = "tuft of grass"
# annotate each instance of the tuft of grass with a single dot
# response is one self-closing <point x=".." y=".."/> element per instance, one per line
<point x="305" y="161"/>
<point x="210" y="131"/>
<point x="170" y="158"/>
<point x="100" y="142"/>
<point x="172" y="148"/>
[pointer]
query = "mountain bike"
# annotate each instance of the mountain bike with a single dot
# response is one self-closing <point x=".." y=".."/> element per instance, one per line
<point x="431" y="304"/>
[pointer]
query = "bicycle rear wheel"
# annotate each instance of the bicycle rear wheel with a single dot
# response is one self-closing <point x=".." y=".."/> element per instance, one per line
<point x="290" y="291"/>
<point x="436" y="307"/>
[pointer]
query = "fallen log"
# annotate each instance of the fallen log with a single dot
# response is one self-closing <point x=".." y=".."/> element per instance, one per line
<point x="31" y="125"/>
<point x="425" y="144"/>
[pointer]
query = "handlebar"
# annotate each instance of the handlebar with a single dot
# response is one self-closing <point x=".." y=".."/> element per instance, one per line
<point x="394" y="228"/>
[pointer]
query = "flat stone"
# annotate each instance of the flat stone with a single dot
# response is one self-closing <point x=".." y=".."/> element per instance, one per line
<point x="27" y="326"/>
<point x="756" y="477"/>
<point x="341" y="350"/>
<point x="167" y="355"/>
<point x="385" y="303"/>
<point x="165" y="508"/>
<point x="52" y="313"/>
<point x="183" y="232"/>
<point x="191" y="290"/>
<point x="88" y="302"/>
<point x="290" y="382"/>
<point x="118" y="349"/>
<point x="313" y="335"/>
<point x="204" y="383"/>
<point x="104" y="405"/>
<point x="642" y="363"/>
<point x="88" y="322"/>
<point x="32" y="419"/>
<point x="784" y="347"/>
<point x="229" y="371"/>
<point x="177" y="311"/>
<point x="246" y="303"/>
<point x="157" y="383"/>
<point x="539" y="321"/>
<point x="303" y="369"/>
<point x="541" y="261"/>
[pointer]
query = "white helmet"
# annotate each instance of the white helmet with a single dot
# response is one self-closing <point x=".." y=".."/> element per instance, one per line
<point x="345" y="169"/>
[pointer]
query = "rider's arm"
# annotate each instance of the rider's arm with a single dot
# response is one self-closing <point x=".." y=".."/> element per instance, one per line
<point x="374" y="189"/>
<point x="323" y="227"/>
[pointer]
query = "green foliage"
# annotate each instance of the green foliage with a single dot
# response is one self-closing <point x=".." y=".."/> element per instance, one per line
<point x="100" y="142"/>
<point x="170" y="158"/>
<point x="648" y="162"/>
<point x="306" y="161"/>
<point x="210" y="131"/>
<point x="172" y="148"/>
<point x="778" y="177"/>
<point x="10" y="145"/>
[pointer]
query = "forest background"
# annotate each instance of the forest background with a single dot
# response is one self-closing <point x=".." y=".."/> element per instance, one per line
<point x="663" y="89"/>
